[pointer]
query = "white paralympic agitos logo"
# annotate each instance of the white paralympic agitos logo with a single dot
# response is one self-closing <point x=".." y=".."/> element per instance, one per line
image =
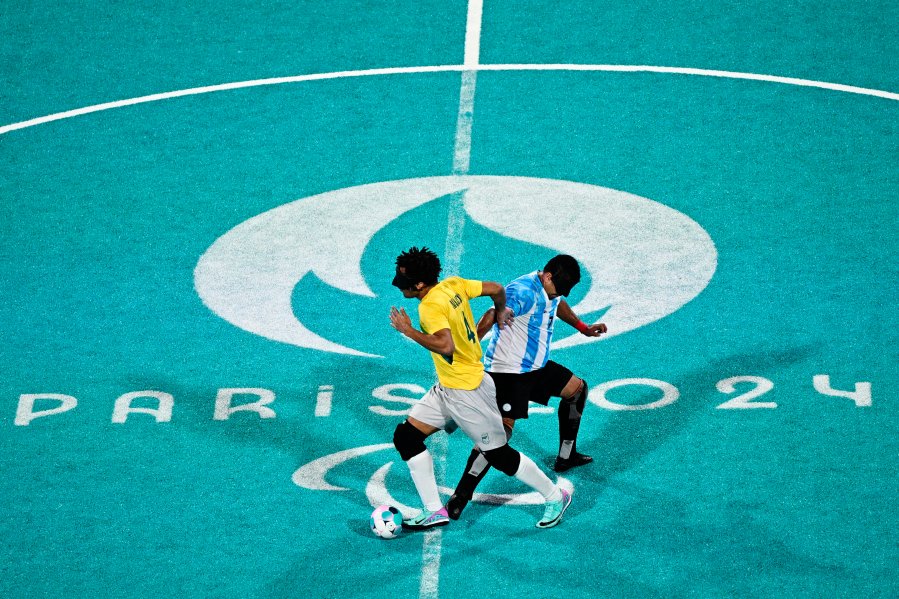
<point x="645" y="259"/>
<point x="312" y="476"/>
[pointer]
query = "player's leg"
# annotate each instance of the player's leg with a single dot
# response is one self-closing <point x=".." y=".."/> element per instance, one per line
<point x="571" y="408"/>
<point x="554" y="380"/>
<point x="424" y="419"/>
<point x="477" y="414"/>
<point x="475" y="470"/>
<point x="513" y="405"/>
<point x="514" y="463"/>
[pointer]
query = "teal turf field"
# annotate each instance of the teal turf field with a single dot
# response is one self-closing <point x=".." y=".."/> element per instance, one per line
<point x="200" y="206"/>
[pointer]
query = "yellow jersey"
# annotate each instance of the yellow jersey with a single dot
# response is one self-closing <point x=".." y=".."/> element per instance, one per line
<point x="446" y="307"/>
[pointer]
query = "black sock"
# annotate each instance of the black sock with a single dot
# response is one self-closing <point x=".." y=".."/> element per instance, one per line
<point x="475" y="470"/>
<point x="569" y="413"/>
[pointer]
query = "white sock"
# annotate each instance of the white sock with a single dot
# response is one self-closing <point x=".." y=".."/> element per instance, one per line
<point x="421" y="467"/>
<point x="531" y="475"/>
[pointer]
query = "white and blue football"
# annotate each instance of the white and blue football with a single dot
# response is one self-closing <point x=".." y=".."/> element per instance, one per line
<point x="386" y="521"/>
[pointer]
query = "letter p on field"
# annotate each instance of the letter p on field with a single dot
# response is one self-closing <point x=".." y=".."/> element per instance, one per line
<point x="25" y="413"/>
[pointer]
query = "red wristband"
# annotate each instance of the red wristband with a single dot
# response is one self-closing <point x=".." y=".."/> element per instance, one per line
<point x="581" y="326"/>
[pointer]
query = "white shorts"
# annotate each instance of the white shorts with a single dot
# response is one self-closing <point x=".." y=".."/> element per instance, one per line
<point x="474" y="411"/>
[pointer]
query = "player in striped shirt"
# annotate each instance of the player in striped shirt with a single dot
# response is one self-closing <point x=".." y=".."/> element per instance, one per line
<point x="463" y="397"/>
<point x="517" y="359"/>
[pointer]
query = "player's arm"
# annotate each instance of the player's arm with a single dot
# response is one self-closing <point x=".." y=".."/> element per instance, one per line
<point x="565" y="312"/>
<point x="439" y="342"/>
<point x="498" y="294"/>
<point x="489" y="318"/>
<point x="486" y="322"/>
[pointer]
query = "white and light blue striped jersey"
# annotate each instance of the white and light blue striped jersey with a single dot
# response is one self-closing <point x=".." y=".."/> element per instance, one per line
<point x="523" y="346"/>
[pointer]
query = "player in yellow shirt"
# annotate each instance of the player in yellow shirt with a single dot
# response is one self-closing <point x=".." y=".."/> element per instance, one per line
<point x="464" y="396"/>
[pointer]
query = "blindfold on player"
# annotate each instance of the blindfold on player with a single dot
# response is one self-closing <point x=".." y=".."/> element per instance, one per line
<point x="401" y="281"/>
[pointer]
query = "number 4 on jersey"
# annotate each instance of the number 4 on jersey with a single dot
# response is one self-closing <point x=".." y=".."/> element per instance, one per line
<point x="471" y="335"/>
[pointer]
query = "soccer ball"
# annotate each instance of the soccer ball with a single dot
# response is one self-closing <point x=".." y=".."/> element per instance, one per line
<point x="386" y="521"/>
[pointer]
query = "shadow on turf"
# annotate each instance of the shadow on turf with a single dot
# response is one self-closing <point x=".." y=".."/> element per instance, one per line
<point x="722" y="553"/>
<point x="618" y="446"/>
<point x="627" y="438"/>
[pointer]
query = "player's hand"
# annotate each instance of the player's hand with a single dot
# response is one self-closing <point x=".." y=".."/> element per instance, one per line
<point x="400" y="320"/>
<point x="503" y="318"/>
<point x="595" y="330"/>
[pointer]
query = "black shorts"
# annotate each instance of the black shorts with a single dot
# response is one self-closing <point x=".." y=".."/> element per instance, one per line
<point x="515" y="391"/>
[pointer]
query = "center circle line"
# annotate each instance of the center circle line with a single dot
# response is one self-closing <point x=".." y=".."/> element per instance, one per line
<point x="448" y="68"/>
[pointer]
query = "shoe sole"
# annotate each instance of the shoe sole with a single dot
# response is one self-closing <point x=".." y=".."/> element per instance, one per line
<point x="424" y="526"/>
<point x="567" y="467"/>
<point x="558" y="518"/>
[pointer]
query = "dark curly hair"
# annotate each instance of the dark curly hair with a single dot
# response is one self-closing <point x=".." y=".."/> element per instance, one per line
<point x="422" y="265"/>
<point x="566" y="272"/>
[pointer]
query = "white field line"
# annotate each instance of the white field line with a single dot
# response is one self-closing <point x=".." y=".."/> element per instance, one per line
<point x="462" y="148"/>
<point x="851" y="89"/>
<point x="429" y="585"/>
<point x="473" y="34"/>
<point x="432" y="548"/>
